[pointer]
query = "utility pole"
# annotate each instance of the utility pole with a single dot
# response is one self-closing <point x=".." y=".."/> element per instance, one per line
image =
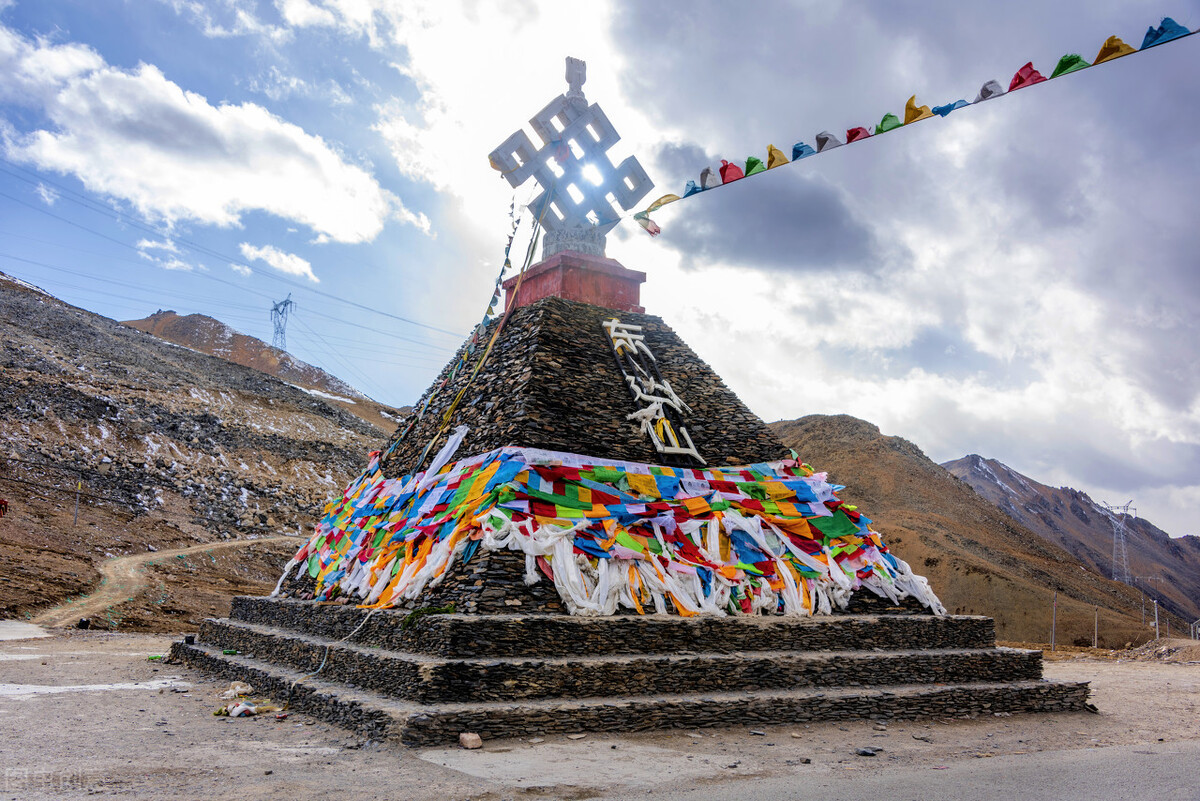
<point x="1137" y="583"/>
<point x="1054" y="621"/>
<point x="1156" y="618"/>
<point x="1096" y="630"/>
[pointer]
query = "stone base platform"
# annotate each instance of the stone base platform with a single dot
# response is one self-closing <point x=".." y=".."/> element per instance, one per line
<point x="422" y="680"/>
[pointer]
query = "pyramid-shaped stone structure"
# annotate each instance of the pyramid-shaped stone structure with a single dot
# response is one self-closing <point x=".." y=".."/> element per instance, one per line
<point x="483" y="650"/>
<point x="552" y="382"/>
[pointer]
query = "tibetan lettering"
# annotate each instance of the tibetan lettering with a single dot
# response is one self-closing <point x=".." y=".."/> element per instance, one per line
<point x="661" y="411"/>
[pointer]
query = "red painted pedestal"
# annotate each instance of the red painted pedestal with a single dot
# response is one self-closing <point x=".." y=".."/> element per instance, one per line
<point x="577" y="276"/>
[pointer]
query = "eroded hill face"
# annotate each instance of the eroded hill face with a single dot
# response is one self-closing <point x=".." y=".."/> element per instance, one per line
<point x="202" y="333"/>
<point x="978" y="560"/>
<point x="170" y="448"/>
<point x="1071" y="519"/>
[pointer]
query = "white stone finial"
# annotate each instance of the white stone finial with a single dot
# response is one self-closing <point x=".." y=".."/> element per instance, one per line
<point x="582" y="192"/>
<point x="576" y="77"/>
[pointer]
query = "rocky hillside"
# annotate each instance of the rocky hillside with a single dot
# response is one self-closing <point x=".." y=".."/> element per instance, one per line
<point x="164" y="447"/>
<point x="203" y="333"/>
<point x="1071" y="519"/>
<point x="978" y="559"/>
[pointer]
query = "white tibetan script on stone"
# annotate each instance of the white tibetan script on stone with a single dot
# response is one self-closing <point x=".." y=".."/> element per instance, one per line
<point x="661" y="414"/>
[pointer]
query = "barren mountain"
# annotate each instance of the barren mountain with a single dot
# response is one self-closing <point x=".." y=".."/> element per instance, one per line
<point x="1070" y="518"/>
<point x="203" y="333"/>
<point x="978" y="559"/>
<point x="161" y="447"/>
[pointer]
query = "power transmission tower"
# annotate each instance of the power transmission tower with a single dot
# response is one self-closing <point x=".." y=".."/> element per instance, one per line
<point x="279" y="316"/>
<point x="1120" y="571"/>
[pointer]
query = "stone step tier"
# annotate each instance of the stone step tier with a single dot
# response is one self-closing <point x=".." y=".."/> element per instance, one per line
<point x="424" y="679"/>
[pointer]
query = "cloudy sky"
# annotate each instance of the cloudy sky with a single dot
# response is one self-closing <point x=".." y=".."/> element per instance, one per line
<point x="1018" y="280"/>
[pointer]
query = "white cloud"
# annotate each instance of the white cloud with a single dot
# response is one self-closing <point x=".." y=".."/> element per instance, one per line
<point x="144" y="246"/>
<point x="277" y="85"/>
<point x="176" y="264"/>
<point x="35" y="71"/>
<point x="222" y="19"/>
<point x="240" y="269"/>
<point x="468" y="106"/>
<point x="163" y="253"/>
<point x="47" y="194"/>
<point x="134" y="135"/>
<point x="282" y="261"/>
<point x="302" y="13"/>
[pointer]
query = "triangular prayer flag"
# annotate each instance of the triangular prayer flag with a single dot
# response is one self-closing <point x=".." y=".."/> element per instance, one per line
<point x="988" y="91"/>
<point x="802" y="151"/>
<point x="691" y="189"/>
<point x="913" y="112"/>
<point x="1069" y="63"/>
<point x="942" y="111"/>
<point x="1113" y="47"/>
<point x="754" y="165"/>
<point x="827" y="141"/>
<point x="890" y="122"/>
<point x="775" y="157"/>
<point x="1170" y="29"/>
<point x="709" y="178"/>
<point x="1026" y="76"/>
<point x="855" y="134"/>
<point x="730" y="172"/>
<point x="644" y="220"/>
<point x="662" y="201"/>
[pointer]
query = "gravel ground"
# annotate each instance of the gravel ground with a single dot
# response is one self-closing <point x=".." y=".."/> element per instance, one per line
<point x="108" y="721"/>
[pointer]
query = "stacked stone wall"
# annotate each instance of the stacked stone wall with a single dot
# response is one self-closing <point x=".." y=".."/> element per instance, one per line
<point x="552" y="382"/>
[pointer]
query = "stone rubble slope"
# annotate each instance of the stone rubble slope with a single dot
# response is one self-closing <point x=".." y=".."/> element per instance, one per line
<point x="171" y="447"/>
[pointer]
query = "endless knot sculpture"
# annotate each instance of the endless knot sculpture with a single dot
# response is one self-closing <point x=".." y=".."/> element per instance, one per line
<point x="580" y="186"/>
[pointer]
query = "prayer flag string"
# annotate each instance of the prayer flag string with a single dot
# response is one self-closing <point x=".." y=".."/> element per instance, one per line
<point x="1113" y="48"/>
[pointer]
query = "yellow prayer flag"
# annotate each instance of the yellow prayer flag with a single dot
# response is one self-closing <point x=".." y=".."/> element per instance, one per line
<point x="913" y="112"/>
<point x="662" y="201"/>
<point x="642" y="484"/>
<point x="775" y="157"/>
<point x="1112" y="48"/>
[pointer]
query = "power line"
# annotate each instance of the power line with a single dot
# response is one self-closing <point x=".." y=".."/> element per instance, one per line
<point x="156" y="298"/>
<point x="368" y="383"/>
<point x="75" y="197"/>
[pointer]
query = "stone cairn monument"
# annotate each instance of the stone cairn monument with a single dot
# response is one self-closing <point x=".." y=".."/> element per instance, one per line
<point x="581" y="528"/>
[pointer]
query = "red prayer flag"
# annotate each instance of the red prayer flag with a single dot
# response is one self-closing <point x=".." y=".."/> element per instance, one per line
<point x="1026" y="76"/>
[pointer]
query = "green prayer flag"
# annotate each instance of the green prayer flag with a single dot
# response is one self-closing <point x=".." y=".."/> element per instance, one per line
<point x="754" y="165"/>
<point x="889" y="122"/>
<point x="836" y="526"/>
<point x="1069" y="63"/>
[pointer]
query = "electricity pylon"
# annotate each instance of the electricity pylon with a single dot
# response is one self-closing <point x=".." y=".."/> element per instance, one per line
<point x="1120" y="571"/>
<point x="279" y="316"/>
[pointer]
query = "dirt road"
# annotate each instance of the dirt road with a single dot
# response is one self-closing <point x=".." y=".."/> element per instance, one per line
<point x="124" y="577"/>
<point x="108" y="720"/>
